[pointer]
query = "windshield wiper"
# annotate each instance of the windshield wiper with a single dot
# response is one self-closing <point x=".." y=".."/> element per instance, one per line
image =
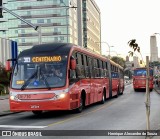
<point x="36" y="75"/>
<point x="29" y="79"/>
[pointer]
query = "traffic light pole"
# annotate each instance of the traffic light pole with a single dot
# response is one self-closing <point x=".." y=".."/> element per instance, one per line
<point x="37" y="28"/>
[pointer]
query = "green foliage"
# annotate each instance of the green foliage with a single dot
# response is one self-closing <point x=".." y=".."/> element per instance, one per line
<point x="4" y="79"/>
<point x="119" y="60"/>
<point x="134" y="46"/>
<point x="132" y="43"/>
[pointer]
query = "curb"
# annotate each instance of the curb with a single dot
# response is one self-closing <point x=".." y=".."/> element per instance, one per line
<point x="7" y="113"/>
<point x="3" y="98"/>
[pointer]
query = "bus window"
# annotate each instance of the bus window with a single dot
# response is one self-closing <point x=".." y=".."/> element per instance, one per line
<point x="86" y="66"/>
<point x="80" y="68"/>
<point x="91" y="67"/>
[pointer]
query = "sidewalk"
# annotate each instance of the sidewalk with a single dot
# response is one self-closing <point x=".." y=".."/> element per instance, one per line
<point x="157" y="89"/>
<point x="4" y="105"/>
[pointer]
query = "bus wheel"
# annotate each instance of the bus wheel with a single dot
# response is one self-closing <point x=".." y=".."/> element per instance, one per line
<point x="81" y="105"/>
<point x="151" y="90"/>
<point x="122" y="91"/>
<point x="37" y="112"/>
<point x="135" y="90"/>
<point x="118" y="92"/>
<point x="103" y="98"/>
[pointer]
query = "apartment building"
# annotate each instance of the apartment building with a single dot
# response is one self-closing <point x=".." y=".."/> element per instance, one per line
<point x="72" y="21"/>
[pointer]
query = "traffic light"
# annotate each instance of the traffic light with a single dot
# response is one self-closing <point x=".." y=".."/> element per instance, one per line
<point x="1" y="12"/>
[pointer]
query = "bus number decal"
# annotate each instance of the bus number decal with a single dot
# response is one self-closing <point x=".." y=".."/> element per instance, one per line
<point x="27" y="59"/>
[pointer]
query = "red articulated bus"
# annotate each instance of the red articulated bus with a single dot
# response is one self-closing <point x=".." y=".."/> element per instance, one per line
<point x="62" y="76"/>
<point x="139" y="79"/>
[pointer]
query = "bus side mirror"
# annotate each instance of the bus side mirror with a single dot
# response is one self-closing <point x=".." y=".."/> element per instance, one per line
<point x="8" y="66"/>
<point x="73" y="64"/>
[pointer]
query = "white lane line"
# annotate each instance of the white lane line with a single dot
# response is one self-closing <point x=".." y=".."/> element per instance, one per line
<point x="14" y="126"/>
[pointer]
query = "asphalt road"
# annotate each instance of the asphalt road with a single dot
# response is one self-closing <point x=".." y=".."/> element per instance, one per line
<point x="127" y="112"/>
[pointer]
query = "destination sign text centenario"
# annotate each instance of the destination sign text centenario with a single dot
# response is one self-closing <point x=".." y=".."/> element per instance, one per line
<point x="46" y="59"/>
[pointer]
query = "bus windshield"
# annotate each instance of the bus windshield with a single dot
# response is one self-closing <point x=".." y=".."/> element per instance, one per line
<point x="142" y="72"/>
<point x="39" y="72"/>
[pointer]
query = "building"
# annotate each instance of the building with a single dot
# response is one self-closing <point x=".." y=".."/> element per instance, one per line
<point x="127" y="58"/>
<point x="72" y="21"/>
<point x="91" y="26"/>
<point x="58" y="22"/>
<point x="132" y="64"/>
<point x="153" y="49"/>
<point x="136" y="62"/>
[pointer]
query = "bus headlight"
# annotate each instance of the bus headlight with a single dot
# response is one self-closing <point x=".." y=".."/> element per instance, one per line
<point x="11" y="97"/>
<point x="62" y="95"/>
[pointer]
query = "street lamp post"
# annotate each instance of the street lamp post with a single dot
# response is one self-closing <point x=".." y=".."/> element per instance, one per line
<point x="108" y="47"/>
<point x="67" y="20"/>
<point x="67" y="23"/>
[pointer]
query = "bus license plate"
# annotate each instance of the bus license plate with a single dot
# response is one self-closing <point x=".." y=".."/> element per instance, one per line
<point x="24" y="96"/>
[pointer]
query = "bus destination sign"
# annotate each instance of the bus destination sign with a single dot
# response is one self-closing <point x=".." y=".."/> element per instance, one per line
<point x="46" y="59"/>
<point x="37" y="59"/>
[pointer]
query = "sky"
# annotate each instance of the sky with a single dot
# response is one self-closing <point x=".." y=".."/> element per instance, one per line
<point x="123" y="20"/>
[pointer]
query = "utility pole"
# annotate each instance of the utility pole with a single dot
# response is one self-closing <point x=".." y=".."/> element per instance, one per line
<point x="147" y="103"/>
<point x="37" y="28"/>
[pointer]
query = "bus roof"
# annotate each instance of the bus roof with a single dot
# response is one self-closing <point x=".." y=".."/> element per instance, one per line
<point x="47" y="48"/>
<point x="61" y="48"/>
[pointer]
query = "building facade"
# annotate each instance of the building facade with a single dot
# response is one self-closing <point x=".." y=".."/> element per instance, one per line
<point x="153" y="49"/>
<point x="91" y="26"/>
<point x="58" y="22"/>
<point x="136" y="62"/>
<point x="72" y="21"/>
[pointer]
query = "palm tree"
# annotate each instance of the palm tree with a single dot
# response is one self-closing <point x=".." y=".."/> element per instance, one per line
<point x="132" y="43"/>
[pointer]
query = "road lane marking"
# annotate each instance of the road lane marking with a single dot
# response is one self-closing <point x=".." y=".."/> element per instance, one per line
<point x="14" y="126"/>
<point x="72" y="118"/>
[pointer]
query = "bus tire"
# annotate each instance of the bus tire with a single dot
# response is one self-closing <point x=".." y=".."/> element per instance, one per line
<point x="103" y="97"/>
<point x="151" y="90"/>
<point x="118" y="92"/>
<point x="37" y="112"/>
<point x="82" y="104"/>
<point x="122" y="91"/>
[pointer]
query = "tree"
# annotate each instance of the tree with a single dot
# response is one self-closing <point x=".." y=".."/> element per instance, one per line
<point x="119" y="60"/>
<point x="136" y="48"/>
